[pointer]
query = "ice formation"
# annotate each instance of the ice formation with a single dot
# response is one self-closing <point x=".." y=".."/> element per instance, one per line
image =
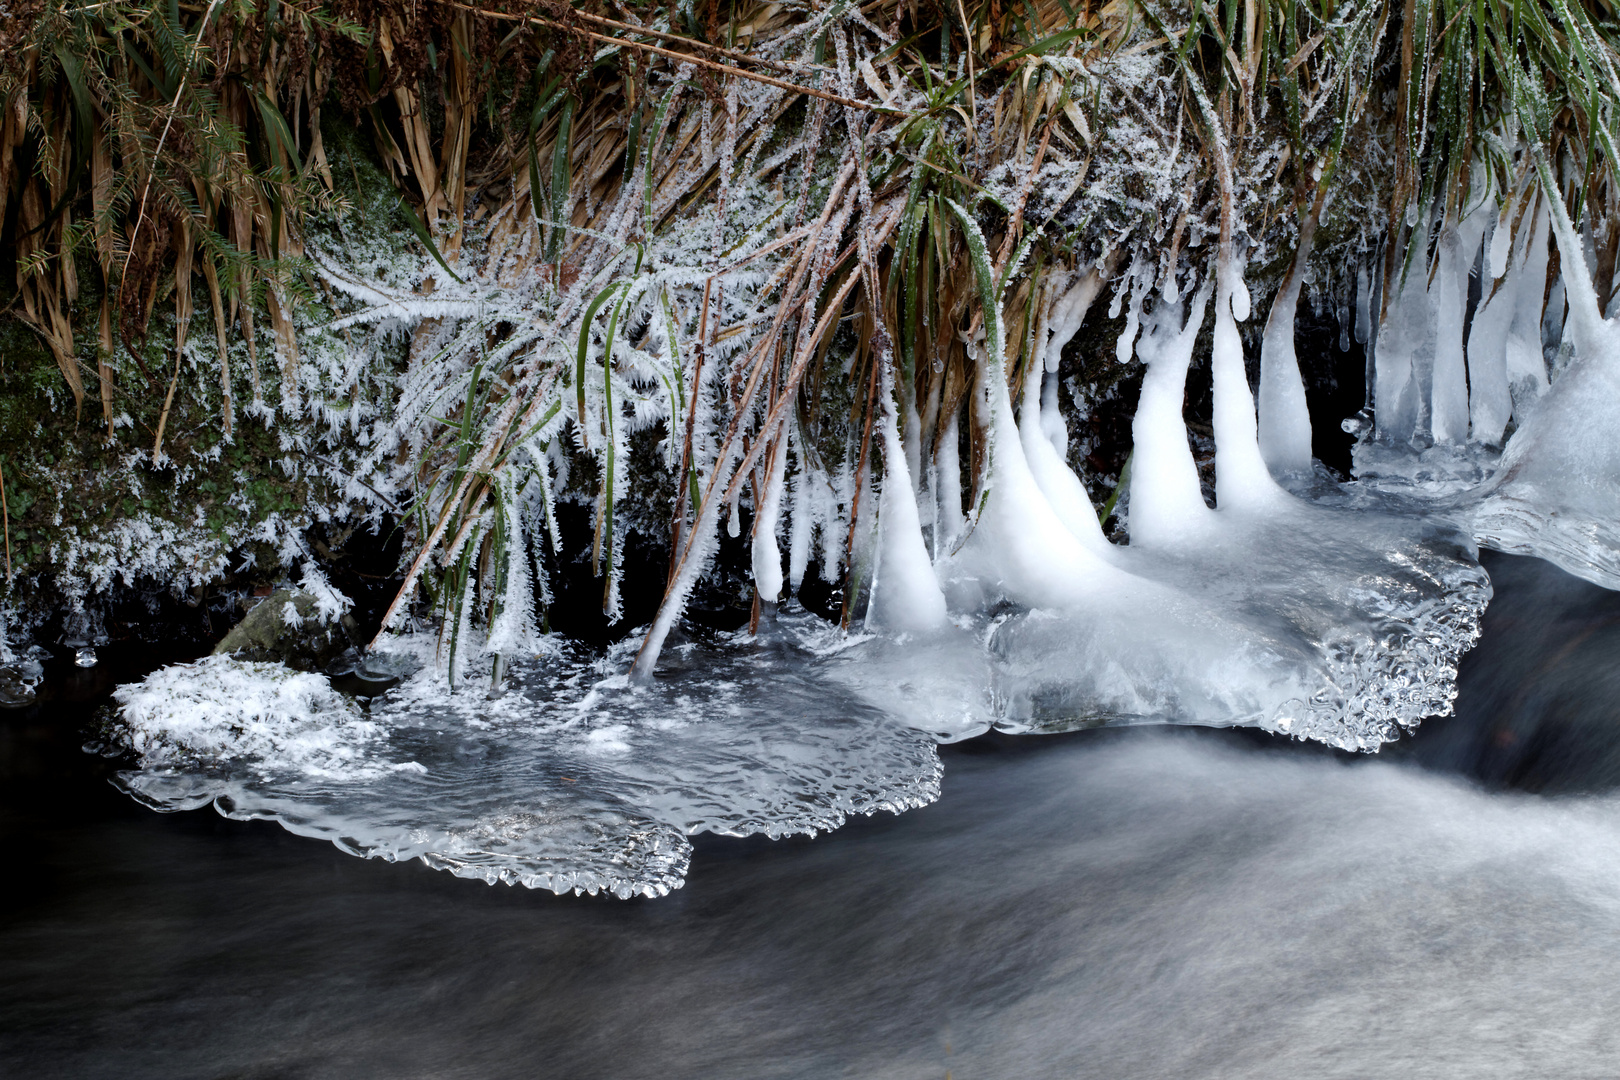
<point x="992" y="596"/>
<point x="1553" y="489"/>
<point x="1285" y="422"/>
<point x="1557" y="487"/>
<point x="574" y="779"/>
<point x="1331" y="619"/>
<point x="1338" y="625"/>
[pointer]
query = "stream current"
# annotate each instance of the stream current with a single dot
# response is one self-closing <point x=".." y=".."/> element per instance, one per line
<point x="1113" y="903"/>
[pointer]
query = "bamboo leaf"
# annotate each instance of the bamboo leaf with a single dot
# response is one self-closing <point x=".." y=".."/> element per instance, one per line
<point x="582" y="357"/>
<point x="561" y="181"/>
<point x="422" y="234"/>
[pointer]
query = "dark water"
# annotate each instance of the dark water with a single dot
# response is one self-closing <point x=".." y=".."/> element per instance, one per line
<point x="1110" y="904"/>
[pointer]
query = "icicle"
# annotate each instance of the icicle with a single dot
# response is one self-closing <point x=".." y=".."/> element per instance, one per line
<point x="767" y="557"/>
<point x="1141" y="279"/>
<point x="1500" y="244"/>
<point x="912" y="437"/>
<point x="905" y="593"/>
<point x="949" y="488"/>
<point x="1063" y="490"/>
<point x="1053" y="426"/>
<point x="1242" y="481"/>
<point x="834" y="524"/>
<point x="803" y="521"/>
<point x="1167" y="502"/>
<point x="1557" y="490"/>
<point x="1585" y="321"/>
<point x="1448" y="393"/>
<point x="1068" y="314"/>
<point x="1406" y="329"/>
<point x="1021" y="547"/>
<point x="1526" y="367"/>
<point x="1285" y="422"/>
<point x="1490" y="404"/>
<point x="1363" y="307"/>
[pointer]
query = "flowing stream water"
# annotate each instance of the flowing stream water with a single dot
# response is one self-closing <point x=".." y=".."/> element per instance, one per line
<point x="1115" y="903"/>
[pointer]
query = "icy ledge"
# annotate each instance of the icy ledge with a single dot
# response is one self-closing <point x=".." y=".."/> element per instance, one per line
<point x="572" y="780"/>
<point x="1336" y="626"/>
<point x="1554" y="490"/>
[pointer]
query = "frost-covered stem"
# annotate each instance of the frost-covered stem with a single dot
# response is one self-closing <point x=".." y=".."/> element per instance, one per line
<point x="467" y="480"/>
<point x="472" y="520"/>
<point x="685" y="576"/>
<point x="688" y="58"/>
<point x="860" y="485"/>
<point x="5" y="518"/>
<point x="647" y="31"/>
<point x="728" y="155"/>
<point x="812" y="143"/>
<point x="678" y="518"/>
<point x="688" y="567"/>
<point x="1216" y="133"/>
<point x="1015" y="222"/>
<point x="163" y="417"/>
<point x="967" y="36"/>
<point x="791" y="385"/>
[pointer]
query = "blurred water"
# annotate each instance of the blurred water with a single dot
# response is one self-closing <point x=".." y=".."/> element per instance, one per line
<point x="1124" y="903"/>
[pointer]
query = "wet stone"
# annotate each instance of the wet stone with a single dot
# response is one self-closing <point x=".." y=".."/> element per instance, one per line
<point x="287" y="627"/>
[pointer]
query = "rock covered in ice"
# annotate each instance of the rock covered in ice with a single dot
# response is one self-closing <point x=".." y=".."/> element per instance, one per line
<point x="260" y="718"/>
<point x="305" y="628"/>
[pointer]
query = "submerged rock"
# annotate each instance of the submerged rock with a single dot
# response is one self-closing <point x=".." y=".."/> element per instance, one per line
<point x="293" y="627"/>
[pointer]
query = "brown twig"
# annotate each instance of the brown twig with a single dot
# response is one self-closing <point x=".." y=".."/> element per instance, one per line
<point x="754" y="76"/>
<point x="775" y="65"/>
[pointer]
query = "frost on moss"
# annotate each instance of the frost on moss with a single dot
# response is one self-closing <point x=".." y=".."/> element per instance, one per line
<point x="95" y="508"/>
